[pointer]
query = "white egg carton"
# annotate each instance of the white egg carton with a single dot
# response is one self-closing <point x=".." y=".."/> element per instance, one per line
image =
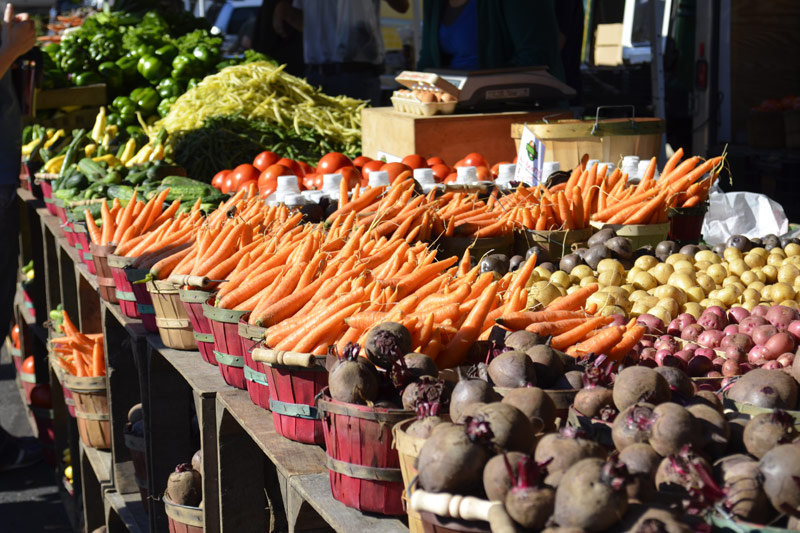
<point x="405" y="101"/>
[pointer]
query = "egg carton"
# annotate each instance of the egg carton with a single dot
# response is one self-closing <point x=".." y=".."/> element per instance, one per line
<point x="415" y="107"/>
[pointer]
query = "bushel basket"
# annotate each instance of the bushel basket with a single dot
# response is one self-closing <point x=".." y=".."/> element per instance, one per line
<point x="124" y="289"/>
<point x="91" y="410"/>
<point x="364" y="469"/>
<point x="253" y="373"/>
<point x="173" y="323"/>
<point x="105" y="278"/>
<point x="193" y="301"/>
<point x="182" y="518"/>
<point x="144" y="302"/>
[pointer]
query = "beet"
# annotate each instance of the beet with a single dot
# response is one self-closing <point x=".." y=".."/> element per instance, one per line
<point x="523" y="340"/>
<point x="646" y="519"/>
<point x="386" y="342"/>
<point x="511" y="370"/>
<point x="547" y="364"/>
<point x="590" y="401"/>
<point x="135" y="414"/>
<point x="529" y="502"/>
<point x="511" y="429"/>
<point x="197" y="461"/>
<point x="570" y="380"/>
<point x="713" y="431"/>
<point x="743" y="485"/>
<point x="639" y="384"/>
<point x="496" y="479"/>
<point x="641" y="460"/>
<point x="673" y="427"/>
<point x="676" y="472"/>
<point x="677" y="379"/>
<point x="767" y="430"/>
<point x="536" y="405"/>
<point x="591" y="495"/>
<point x="452" y="459"/>
<point x="353" y="379"/>
<point x="469" y="391"/>
<point x="765" y="388"/>
<point x="420" y="365"/>
<point x="184" y="486"/>
<point x="708" y="398"/>
<point x="564" y="449"/>
<point x="781" y="470"/>
<point x="632" y="425"/>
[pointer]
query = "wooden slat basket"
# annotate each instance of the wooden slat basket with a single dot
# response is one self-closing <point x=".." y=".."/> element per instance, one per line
<point x="408" y="448"/>
<point x="182" y="518"/>
<point x="136" y="446"/>
<point x="225" y="329"/>
<point x="557" y="243"/>
<point x="124" y="290"/>
<point x="253" y="374"/>
<point x="105" y="279"/>
<point x="173" y="323"/>
<point x="193" y="301"/>
<point x="91" y="410"/>
<point x="144" y="302"/>
<point x="364" y="468"/>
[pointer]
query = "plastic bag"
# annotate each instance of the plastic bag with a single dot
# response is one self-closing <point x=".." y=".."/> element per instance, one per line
<point x="358" y="31"/>
<point x="742" y="213"/>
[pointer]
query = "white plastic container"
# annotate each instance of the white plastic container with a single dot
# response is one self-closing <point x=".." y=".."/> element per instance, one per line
<point x="313" y="196"/>
<point x="330" y="185"/>
<point x="548" y="168"/>
<point x="378" y="178"/>
<point x="591" y="162"/>
<point x="466" y="175"/>
<point x="505" y="173"/>
<point x="609" y="167"/>
<point x="287" y="185"/>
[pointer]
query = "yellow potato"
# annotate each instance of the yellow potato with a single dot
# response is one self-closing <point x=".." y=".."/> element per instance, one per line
<point x="754" y="260"/>
<point x="776" y="259"/>
<point x="749" y="277"/>
<point x="645" y="281"/>
<point x="561" y="279"/>
<point x="618" y="292"/>
<point x="675" y="258"/>
<point x="766" y="293"/>
<point x="751" y="294"/>
<point x="788" y="273"/>
<point x="661" y="313"/>
<point x="692" y="308"/>
<point x="670" y="305"/>
<point x="728" y="296"/>
<point x="731" y="253"/>
<point x="749" y="304"/>
<point x="706" y="282"/>
<point x="701" y="266"/>
<point x="542" y="272"/>
<point x="730" y="280"/>
<point x="707" y="256"/>
<point x="738" y="267"/>
<point x="628" y="288"/>
<point x="610" y="265"/>
<point x="610" y="277"/>
<point x="695" y="294"/>
<point x="638" y="294"/>
<point x="588" y="280"/>
<point x="581" y="271"/>
<point x="632" y="273"/>
<point x="792" y="260"/>
<point x="791" y="303"/>
<point x="682" y="280"/>
<point x="662" y="272"/>
<point x="781" y="291"/>
<point x="668" y="291"/>
<point x="545" y="292"/>
<point x="710" y="302"/>
<point x="684" y="266"/>
<point x="770" y="274"/>
<point x="792" y="249"/>
<point x="612" y="310"/>
<point x="759" y="250"/>
<point x="717" y="273"/>
<point x="639" y="308"/>
<point x="757" y="286"/>
<point x="645" y="262"/>
<point x="573" y="288"/>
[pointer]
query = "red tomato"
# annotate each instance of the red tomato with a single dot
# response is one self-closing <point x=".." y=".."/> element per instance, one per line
<point x="496" y="168"/>
<point x="307" y="169"/>
<point x="243" y="173"/>
<point x="435" y="161"/>
<point x="395" y="169"/>
<point x="360" y="161"/>
<point x="296" y="169"/>
<point x="265" y="159"/>
<point x="451" y="178"/>
<point x="219" y="179"/>
<point x="460" y="163"/>
<point x="40" y="396"/>
<point x="484" y="174"/>
<point x="440" y="172"/>
<point x="228" y="184"/>
<point x="309" y="181"/>
<point x="475" y="160"/>
<point x="267" y="186"/>
<point x="27" y="365"/>
<point x="15" y="335"/>
<point x="332" y="161"/>
<point x="415" y="161"/>
<point x="245" y="184"/>
<point x="352" y="175"/>
<point x="272" y="173"/>
<point x="369" y="167"/>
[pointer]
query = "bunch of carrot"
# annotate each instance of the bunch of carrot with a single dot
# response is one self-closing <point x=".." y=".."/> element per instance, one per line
<point x="573" y="328"/>
<point x="121" y="225"/>
<point x="78" y="354"/>
<point x="540" y="209"/>
<point x="464" y="214"/>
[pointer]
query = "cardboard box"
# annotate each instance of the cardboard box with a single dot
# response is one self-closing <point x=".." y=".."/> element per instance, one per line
<point x="608" y="45"/>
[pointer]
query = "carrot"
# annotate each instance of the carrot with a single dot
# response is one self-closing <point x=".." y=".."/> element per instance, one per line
<point x="523" y="319"/>
<point x="579" y="216"/>
<point x="342" y="192"/>
<point x="572" y="182"/>
<point x="98" y="362"/>
<point x="574" y="301"/>
<point x="555" y="328"/>
<point x="648" y="175"/>
<point x="611" y="210"/>
<point x="523" y="274"/>
<point x="600" y="343"/>
<point x="108" y="224"/>
<point x="469" y="331"/>
<point x="333" y="305"/>
<point x="629" y="340"/>
<point x="575" y="335"/>
<point x="643" y="214"/>
<point x="315" y="335"/>
<point x="358" y="204"/>
<point x="94" y="231"/>
<point x="164" y="267"/>
<point x="127" y="218"/>
<point x="566" y="212"/>
<point x="672" y="162"/>
<point x="80" y="367"/>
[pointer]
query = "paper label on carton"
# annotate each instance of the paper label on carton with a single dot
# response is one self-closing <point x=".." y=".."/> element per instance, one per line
<point x="387" y="157"/>
<point x="530" y="159"/>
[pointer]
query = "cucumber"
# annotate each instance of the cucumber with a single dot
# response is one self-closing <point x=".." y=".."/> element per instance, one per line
<point x="91" y="169"/>
<point x="123" y="192"/>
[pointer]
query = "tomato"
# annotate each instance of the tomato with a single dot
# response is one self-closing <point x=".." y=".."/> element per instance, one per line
<point x="307" y="169"/>
<point x="40" y="396"/>
<point x="27" y="365"/>
<point x="435" y="161"/>
<point x="451" y="178"/>
<point x="243" y="173"/>
<point x="496" y="168"/>
<point x="369" y="167"/>
<point x="272" y="172"/>
<point x="460" y="163"/>
<point x="267" y="186"/>
<point x="415" y="161"/>
<point x="245" y="184"/>
<point x="360" y="161"/>
<point x="332" y="161"/>
<point x="440" y="172"/>
<point x="219" y="179"/>
<point x="484" y="174"/>
<point x="265" y="159"/>
<point x="15" y="335"/>
<point x="475" y="160"/>
<point x="294" y="166"/>
<point x="352" y="175"/>
<point x="227" y="185"/>
<point x="395" y="169"/>
<point x="309" y="181"/>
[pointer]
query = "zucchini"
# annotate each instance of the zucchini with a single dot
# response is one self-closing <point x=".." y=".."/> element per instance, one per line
<point x="123" y="192"/>
<point x="91" y="169"/>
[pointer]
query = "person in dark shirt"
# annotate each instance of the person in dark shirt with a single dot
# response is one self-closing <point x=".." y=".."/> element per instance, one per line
<point x="489" y="34"/>
<point x="17" y="36"/>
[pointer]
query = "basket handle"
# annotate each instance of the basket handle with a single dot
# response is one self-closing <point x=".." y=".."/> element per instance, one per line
<point x="193" y="281"/>
<point x="279" y="357"/>
<point x="464" y="508"/>
<point x="597" y="115"/>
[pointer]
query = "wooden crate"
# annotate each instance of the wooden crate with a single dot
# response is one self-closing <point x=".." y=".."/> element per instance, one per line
<point x="89" y="96"/>
<point x="450" y="137"/>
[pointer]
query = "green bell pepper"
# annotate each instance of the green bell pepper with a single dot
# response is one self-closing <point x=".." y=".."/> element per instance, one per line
<point x="152" y="68"/>
<point x="128" y="65"/>
<point x="143" y="50"/>
<point x="205" y="55"/>
<point x="192" y="83"/>
<point x="167" y="53"/>
<point x="147" y="102"/>
<point x="166" y="103"/>
<point x="168" y="88"/>
<point x="111" y="73"/>
<point x="185" y="66"/>
<point x="87" y="78"/>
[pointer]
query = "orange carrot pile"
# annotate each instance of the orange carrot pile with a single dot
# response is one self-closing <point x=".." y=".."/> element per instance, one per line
<point x="78" y="354"/>
<point x="464" y="214"/>
<point x="125" y="225"/>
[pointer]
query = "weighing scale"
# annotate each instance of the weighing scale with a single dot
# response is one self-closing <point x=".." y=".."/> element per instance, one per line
<point x="505" y="88"/>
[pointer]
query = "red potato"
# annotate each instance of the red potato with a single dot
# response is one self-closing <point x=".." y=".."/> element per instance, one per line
<point x="737" y="314"/>
<point x="749" y="324"/>
<point x="591" y="495"/>
<point x="730" y="368"/>
<point x="712" y="321"/>
<point x="781" y="316"/>
<point x="710" y="338"/>
<point x="667" y="342"/>
<point x="691" y="332"/>
<point x="778" y="344"/>
<point x="762" y="334"/>
<point x="786" y="360"/>
<point x="653" y="324"/>
<point x="740" y="340"/>
<point x="759" y="310"/>
<point x="794" y="329"/>
<point x="731" y="329"/>
<point x="679" y="323"/>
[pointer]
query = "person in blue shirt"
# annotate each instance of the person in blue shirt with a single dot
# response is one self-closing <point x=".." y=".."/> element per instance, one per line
<point x="17" y="36"/>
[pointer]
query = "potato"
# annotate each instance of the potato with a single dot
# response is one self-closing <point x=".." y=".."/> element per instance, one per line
<point x="775" y="259"/>
<point x="675" y="258"/>
<point x="790" y="303"/>
<point x="760" y="250"/>
<point x="731" y="254"/>
<point x="613" y="310"/>
<point x="707" y="256"/>
<point x="792" y="260"/>
<point x="639" y="308"/>
<point x="706" y="282"/>
<point x="701" y="265"/>
<point x="588" y="280"/>
<point x="693" y="308"/>
<point x="777" y="251"/>
<point x="682" y="280"/>
<point x="737" y="267"/>
<point x="661" y="313"/>
<point x="766" y="293"/>
<point x="662" y="272"/>
<point x="542" y="272"/>
<point x="670" y="305"/>
<point x="684" y="266"/>
<point x="632" y="274"/>
<point x="709" y="302"/>
<point x="792" y="249"/>
<point x="728" y="296"/>
<point x="770" y="273"/>
<point x="748" y="277"/>
<point x="754" y="260"/>
<point x="646" y="262"/>
<point x="636" y="295"/>
<point x="749" y="304"/>
<point x="628" y="288"/>
<point x="668" y="291"/>
<point x="695" y="294"/>
<point x="751" y="294"/>
<point x="561" y="279"/>
<point x="610" y="277"/>
<point x="788" y="273"/>
<point x="582" y="271"/>
<point x="781" y="291"/>
<point x="717" y="273"/>
<point x="545" y="292"/>
<point x="644" y="281"/>
<point x="610" y="264"/>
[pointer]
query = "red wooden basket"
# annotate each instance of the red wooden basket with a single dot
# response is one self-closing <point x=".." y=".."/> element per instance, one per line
<point x="144" y="302"/>
<point x="227" y="346"/>
<point x="124" y="288"/>
<point x="364" y="467"/>
<point x="255" y="376"/>
<point x="193" y="301"/>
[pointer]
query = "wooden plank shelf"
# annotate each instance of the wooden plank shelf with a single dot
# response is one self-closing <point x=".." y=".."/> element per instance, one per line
<point x="125" y="512"/>
<point x="100" y="461"/>
<point x="202" y="377"/>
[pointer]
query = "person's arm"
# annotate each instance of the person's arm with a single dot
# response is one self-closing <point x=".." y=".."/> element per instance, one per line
<point x="284" y="14"/>
<point x="17" y="36"/>
<point x="401" y="6"/>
